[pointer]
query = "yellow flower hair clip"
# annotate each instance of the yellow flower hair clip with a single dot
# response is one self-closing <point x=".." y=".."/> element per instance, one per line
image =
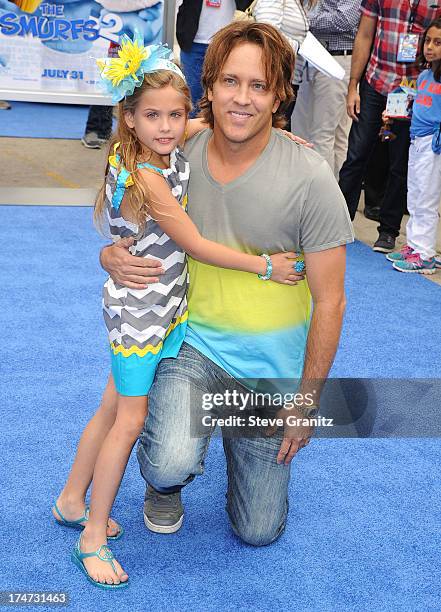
<point x="120" y="75"/>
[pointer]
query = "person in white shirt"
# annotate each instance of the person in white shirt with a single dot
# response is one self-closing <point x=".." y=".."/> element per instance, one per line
<point x="288" y="16"/>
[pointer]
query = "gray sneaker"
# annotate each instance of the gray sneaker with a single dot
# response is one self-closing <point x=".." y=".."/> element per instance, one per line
<point x="163" y="513"/>
<point x="91" y="141"/>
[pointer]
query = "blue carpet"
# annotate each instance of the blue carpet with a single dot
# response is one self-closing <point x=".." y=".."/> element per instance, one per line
<point x="35" y="120"/>
<point x="364" y="527"/>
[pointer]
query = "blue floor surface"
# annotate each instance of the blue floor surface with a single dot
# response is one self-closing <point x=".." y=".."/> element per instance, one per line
<point x="365" y="521"/>
<point x="37" y="120"/>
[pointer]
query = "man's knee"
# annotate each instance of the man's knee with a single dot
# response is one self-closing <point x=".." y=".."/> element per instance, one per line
<point x="260" y="532"/>
<point x="256" y="535"/>
<point x="173" y="466"/>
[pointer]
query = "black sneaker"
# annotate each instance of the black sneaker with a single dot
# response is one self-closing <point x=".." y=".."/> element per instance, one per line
<point x="384" y="244"/>
<point x="372" y="213"/>
<point x="163" y="513"/>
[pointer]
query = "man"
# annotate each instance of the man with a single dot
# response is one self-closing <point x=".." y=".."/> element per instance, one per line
<point x="378" y="45"/>
<point x="254" y="189"/>
<point x="320" y="111"/>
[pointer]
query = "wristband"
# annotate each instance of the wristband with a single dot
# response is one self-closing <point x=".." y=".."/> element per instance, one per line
<point x="307" y="412"/>
<point x="269" y="267"/>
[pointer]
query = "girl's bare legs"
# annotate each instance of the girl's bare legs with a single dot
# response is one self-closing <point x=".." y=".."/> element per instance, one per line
<point x="71" y="500"/>
<point x="109" y="469"/>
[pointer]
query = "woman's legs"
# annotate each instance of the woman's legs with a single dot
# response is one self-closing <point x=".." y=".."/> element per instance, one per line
<point x="109" y="469"/>
<point x="71" y="500"/>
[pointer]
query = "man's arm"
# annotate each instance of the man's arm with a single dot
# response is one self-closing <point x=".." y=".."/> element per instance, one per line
<point x="326" y="273"/>
<point x="128" y="270"/>
<point x="360" y="57"/>
<point x="326" y="276"/>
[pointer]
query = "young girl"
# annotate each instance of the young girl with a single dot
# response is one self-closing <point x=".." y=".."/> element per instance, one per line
<point x="144" y="196"/>
<point x="424" y="174"/>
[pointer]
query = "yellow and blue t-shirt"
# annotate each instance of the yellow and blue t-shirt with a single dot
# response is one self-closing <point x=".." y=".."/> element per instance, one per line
<point x="288" y="200"/>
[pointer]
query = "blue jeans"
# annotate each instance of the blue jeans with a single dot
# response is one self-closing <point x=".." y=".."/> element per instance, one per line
<point x="192" y="62"/>
<point x="362" y="140"/>
<point x="170" y="456"/>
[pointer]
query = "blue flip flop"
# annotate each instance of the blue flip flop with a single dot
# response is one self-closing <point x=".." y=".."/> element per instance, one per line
<point x="105" y="554"/>
<point x="83" y="519"/>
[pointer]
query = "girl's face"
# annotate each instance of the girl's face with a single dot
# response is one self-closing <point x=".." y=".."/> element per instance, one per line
<point x="432" y="44"/>
<point x="159" y="119"/>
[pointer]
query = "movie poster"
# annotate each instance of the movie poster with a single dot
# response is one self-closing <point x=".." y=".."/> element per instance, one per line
<point x="51" y="46"/>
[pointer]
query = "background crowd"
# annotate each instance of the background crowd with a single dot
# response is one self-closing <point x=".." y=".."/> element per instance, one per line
<point x="341" y="118"/>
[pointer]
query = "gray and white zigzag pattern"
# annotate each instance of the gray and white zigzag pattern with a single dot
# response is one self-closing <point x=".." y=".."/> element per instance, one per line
<point x="137" y="317"/>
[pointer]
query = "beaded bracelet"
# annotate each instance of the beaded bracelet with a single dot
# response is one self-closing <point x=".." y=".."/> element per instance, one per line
<point x="269" y="267"/>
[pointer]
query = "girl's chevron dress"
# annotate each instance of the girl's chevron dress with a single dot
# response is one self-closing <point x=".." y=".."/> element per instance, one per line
<point x="145" y="325"/>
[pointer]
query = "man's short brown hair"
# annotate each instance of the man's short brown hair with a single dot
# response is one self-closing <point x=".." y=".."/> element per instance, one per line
<point x="278" y="63"/>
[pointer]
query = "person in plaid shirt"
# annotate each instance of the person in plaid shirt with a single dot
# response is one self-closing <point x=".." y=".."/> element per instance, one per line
<point x="377" y="67"/>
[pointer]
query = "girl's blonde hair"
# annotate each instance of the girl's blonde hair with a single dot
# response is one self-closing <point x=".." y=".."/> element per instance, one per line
<point x="130" y="149"/>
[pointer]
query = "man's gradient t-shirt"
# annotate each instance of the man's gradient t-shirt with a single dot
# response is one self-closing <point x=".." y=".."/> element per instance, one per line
<point x="288" y="200"/>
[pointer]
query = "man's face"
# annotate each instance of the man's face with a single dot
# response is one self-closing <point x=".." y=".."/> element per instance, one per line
<point x="241" y="100"/>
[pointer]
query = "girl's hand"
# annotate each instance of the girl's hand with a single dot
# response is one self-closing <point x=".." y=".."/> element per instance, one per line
<point x="284" y="271"/>
<point x="194" y="126"/>
<point x="297" y="139"/>
<point x="386" y="134"/>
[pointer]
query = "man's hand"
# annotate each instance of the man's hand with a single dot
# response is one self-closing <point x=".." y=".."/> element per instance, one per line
<point x="297" y="139"/>
<point x="353" y="102"/>
<point x="297" y="434"/>
<point x="360" y="57"/>
<point x="128" y="270"/>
